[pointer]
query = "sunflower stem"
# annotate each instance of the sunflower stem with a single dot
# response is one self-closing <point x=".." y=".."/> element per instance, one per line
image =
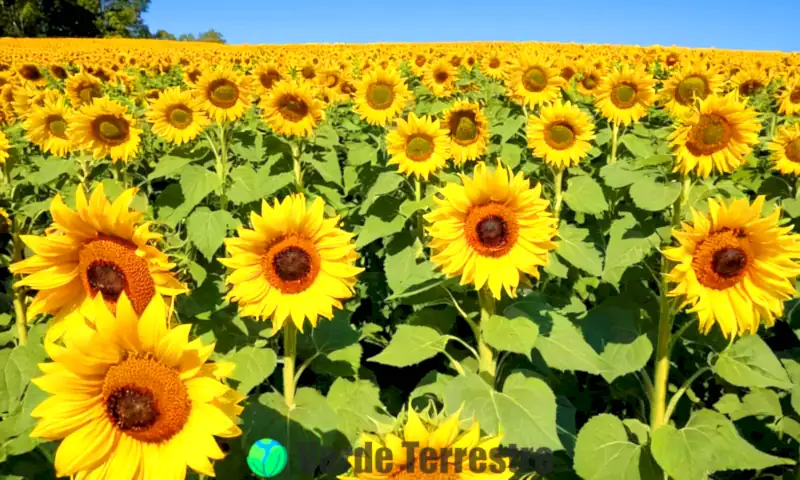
<point x="222" y="166"/>
<point x="614" y="135"/>
<point x="289" y="358"/>
<point x="20" y="310"/>
<point x="486" y="360"/>
<point x="420" y="220"/>
<point x="119" y="173"/>
<point x="559" y="178"/>
<point x="298" y="166"/>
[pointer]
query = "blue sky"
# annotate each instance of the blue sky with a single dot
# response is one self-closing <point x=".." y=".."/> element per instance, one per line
<point x="736" y="24"/>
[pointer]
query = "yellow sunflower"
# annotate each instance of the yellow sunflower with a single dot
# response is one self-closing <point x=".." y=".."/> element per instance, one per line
<point x="192" y="73"/>
<point x="561" y="134"/>
<point x="83" y="88"/>
<point x="625" y="94"/>
<point x="493" y="65"/>
<point x="380" y="96"/>
<point x="294" y="263"/>
<point x="223" y="94"/>
<point x="4" y="147"/>
<point x="418" y="146"/>
<point x="468" y="130"/>
<point x="491" y="230"/>
<point x="440" y="434"/>
<point x="105" y="128"/>
<point x="135" y="399"/>
<point x="735" y="268"/>
<point x="785" y="148"/>
<point x="265" y="76"/>
<point x="30" y="75"/>
<point x="748" y="81"/>
<point x="440" y="78"/>
<point x="46" y="127"/>
<point x="102" y="247"/>
<point x="716" y="137"/>
<point x="419" y="63"/>
<point x="174" y="116"/>
<point x="789" y="101"/>
<point x="689" y="84"/>
<point x="292" y="109"/>
<point x="533" y="80"/>
<point x="58" y="72"/>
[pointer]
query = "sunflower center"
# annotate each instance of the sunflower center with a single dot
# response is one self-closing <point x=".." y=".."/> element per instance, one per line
<point x="463" y="129"/>
<point x="110" y="129"/>
<point x="491" y="229"/>
<point x="793" y="150"/>
<point x="589" y="82"/>
<point x="57" y="126"/>
<point x="30" y="72"/>
<point x="720" y="261"/>
<point x="292" y="108"/>
<point x="193" y="75"/>
<point x="690" y="88"/>
<point x="58" y="72"/>
<point x="308" y="72"/>
<point x="711" y="134"/>
<point x="89" y="93"/>
<point x="380" y="96"/>
<point x="332" y="80"/>
<point x="441" y="76"/>
<point x="560" y="136"/>
<point x="795" y="95"/>
<point x="419" y="148"/>
<point x="145" y="399"/>
<point x="624" y="95"/>
<point x="534" y="79"/>
<point x="749" y="87"/>
<point x="109" y="266"/>
<point x="567" y="73"/>
<point x="180" y="117"/>
<point x="223" y="93"/>
<point x="420" y="61"/>
<point x="672" y="59"/>
<point x="291" y="264"/>
<point x="494" y="62"/>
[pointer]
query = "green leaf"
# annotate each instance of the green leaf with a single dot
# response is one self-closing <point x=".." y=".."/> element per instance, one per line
<point x="361" y="153"/>
<point x="510" y="127"/>
<point x="639" y="147"/>
<point x="626" y="247"/>
<point x="511" y="154"/>
<point x="516" y="335"/>
<point x="253" y="366"/>
<point x="759" y="402"/>
<point x="176" y="203"/>
<point x="708" y="443"/>
<point x="207" y="229"/>
<point x="615" y="334"/>
<point x="585" y="195"/>
<point x="525" y="410"/>
<point x="326" y="136"/>
<point x="168" y="166"/>
<point x="114" y="189"/>
<point x="604" y="451"/>
<point x="50" y="169"/>
<point x="654" y="161"/>
<point x="19" y="367"/>
<point x="386" y="183"/>
<point x="357" y="405"/>
<point x="410" y="345"/>
<point x="327" y="166"/>
<point x="251" y="186"/>
<point x="620" y="174"/>
<point x="654" y="196"/>
<point x="376" y="228"/>
<point x="404" y="273"/>
<point x="334" y="344"/>
<point x="578" y="252"/>
<point x="750" y="363"/>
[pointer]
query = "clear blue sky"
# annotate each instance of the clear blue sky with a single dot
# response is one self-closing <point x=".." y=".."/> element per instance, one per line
<point x="736" y="24"/>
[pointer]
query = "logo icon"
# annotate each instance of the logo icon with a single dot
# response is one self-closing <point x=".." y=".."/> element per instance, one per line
<point x="267" y="458"/>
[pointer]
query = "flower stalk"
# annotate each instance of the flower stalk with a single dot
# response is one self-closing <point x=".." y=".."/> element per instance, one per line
<point x="289" y="360"/>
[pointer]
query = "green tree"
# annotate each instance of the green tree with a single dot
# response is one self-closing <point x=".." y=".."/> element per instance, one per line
<point x="211" y="36"/>
<point x="187" y="37"/>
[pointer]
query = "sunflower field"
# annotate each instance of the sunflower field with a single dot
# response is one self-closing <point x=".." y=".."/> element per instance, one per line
<point x="565" y="261"/>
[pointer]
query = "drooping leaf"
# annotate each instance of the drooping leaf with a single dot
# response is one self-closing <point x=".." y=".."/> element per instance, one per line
<point x="573" y="248"/>
<point x="749" y="362"/>
<point x="516" y="335"/>
<point x="410" y="345"/>
<point x="253" y="366"/>
<point x="207" y="229"/>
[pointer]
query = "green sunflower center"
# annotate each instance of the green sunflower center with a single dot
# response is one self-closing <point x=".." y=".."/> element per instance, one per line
<point x="57" y="126"/>
<point x="560" y="136"/>
<point x="223" y="93"/>
<point x="534" y="79"/>
<point x="292" y="264"/>
<point x="419" y="148"/>
<point x="793" y="150"/>
<point x="380" y="96"/>
<point x="180" y="116"/>
<point x="690" y="88"/>
<point x="463" y="128"/>
<point x="89" y="93"/>
<point x="710" y="135"/>
<point x="110" y="129"/>
<point x="624" y="95"/>
<point x="292" y="108"/>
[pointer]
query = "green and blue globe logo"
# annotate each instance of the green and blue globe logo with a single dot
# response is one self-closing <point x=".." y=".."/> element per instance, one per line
<point x="267" y="458"/>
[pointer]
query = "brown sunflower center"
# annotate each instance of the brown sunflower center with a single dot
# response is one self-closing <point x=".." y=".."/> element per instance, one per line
<point x="721" y="260"/>
<point x="331" y="80"/>
<point x="419" y="148"/>
<point x="463" y="129"/>
<point x="31" y="73"/>
<point x="710" y="135"/>
<point x="589" y="82"/>
<point x="494" y="62"/>
<point x="110" y="129"/>
<point x="441" y="76"/>
<point x="268" y="78"/>
<point x="749" y="87"/>
<point x="308" y="72"/>
<point x="624" y="95"/>
<point x="347" y="88"/>
<point x="291" y="264"/>
<point x="672" y="59"/>
<point x="491" y="229"/>
<point x="88" y="93"/>
<point x="420" y="60"/>
<point x="292" y="108"/>
<point x="380" y="96"/>
<point x="193" y="75"/>
<point x="109" y="266"/>
<point x="567" y="73"/>
<point x="223" y="93"/>
<point x="793" y="150"/>
<point x="560" y="136"/>
<point x="146" y="399"/>
<point x="534" y="79"/>
<point x="58" y="72"/>
<point x="794" y="97"/>
<point x="180" y="116"/>
<point x="57" y="126"/>
<point x="691" y="88"/>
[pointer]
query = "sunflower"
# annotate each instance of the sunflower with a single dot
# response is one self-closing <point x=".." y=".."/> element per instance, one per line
<point x="440" y="77"/>
<point x="265" y="76"/>
<point x="493" y="65"/>
<point x="4" y="147"/>
<point x="491" y="230"/>
<point x="691" y="83"/>
<point x="561" y="134"/>
<point x="735" y="267"/>
<point x="58" y="72"/>
<point x="106" y="129"/>
<point x="716" y="137"/>
<point x="291" y="109"/>
<point x="789" y="101"/>
<point x="468" y="130"/>
<point x="100" y="248"/>
<point x="293" y="263"/>
<point x="174" y="116"/>
<point x="419" y="64"/>
<point x="748" y="81"/>
<point x="135" y="399"/>
<point x="418" y="146"/>
<point x="192" y="73"/>
<point x="625" y="94"/>
<point x="380" y="96"/>
<point x="785" y="148"/>
<point x="532" y="80"/>
<point x="83" y="88"/>
<point x="440" y="434"/>
<point x="46" y="127"/>
<point x="30" y="75"/>
<point x="223" y="94"/>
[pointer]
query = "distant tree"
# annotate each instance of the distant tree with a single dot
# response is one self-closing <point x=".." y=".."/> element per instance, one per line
<point x="164" y="35"/>
<point x="187" y="37"/>
<point x="73" y="18"/>
<point x="211" y="36"/>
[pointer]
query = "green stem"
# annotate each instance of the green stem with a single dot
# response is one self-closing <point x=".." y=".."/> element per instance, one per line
<point x="558" y="180"/>
<point x="289" y="359"/>
<point x="20" y="310"/>
<point x="486" y="360"/>
<point x="420" y="220"/>
<point x="83" y="160"/>
<point x="772" y="125"/>
<point x="119" y="172"/>
<point x="614" y="135"/>
<point x="222" y="166"/>
<point x="298" y="167"/>
<point x="673" y="402"/>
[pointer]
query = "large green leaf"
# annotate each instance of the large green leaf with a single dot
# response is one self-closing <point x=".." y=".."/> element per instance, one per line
<point x="168" y="166"/>
<point x="19" y="366"/>
<point x="620" y="174"/>
<point x="639" y="147"/>
<point x="253" y="366"/>
<point x="357" y="405"/>
<point x="750" y="363"/>
<point x="604" y="451"/>
<point x="207" y="229"/>
<point x="585" y="195"/>
<point x="327" y="165"/>
<point x="615" y="333"/>
<point x="376" y="228"/>
<point x="410" y="345"/>
<point x="387" y="182"/>
<point x="573" y="247"/>
<point x="649" y="194"/>
<point x="627" y="246"/>
<point x="251" y="186"/>
<point x="516" y="335"/>
<point x="333" y="345"/>
<point x="404" y="273"/>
